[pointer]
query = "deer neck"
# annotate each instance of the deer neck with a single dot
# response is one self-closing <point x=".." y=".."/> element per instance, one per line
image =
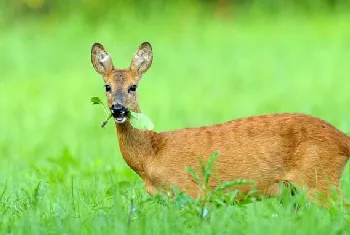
<point x="136" y="146"/>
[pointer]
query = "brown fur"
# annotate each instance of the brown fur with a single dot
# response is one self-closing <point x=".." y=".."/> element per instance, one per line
<point x="268" y="149"/>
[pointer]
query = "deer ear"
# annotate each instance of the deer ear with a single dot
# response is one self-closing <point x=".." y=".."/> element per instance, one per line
<point x="142" y="58"/>
<point x="101" y="60"/>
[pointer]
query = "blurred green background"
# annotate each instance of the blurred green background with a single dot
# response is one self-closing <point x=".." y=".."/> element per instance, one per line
<point x="214" y="60"/>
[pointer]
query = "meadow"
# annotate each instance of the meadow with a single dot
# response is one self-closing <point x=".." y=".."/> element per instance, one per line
<point x="60" y="173"/>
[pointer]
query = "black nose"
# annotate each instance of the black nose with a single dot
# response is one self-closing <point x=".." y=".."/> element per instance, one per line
<point x="118" y="107"/>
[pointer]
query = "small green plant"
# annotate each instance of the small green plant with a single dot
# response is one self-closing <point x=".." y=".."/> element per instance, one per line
<point x="223" y="194"/>
<point x="137" y="120"/>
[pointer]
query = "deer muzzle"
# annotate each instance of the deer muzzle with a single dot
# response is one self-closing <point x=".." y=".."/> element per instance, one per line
<point x="119" y="112"/>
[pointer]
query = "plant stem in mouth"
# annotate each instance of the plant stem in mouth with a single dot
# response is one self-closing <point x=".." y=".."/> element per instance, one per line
<point x="104" y="123"/>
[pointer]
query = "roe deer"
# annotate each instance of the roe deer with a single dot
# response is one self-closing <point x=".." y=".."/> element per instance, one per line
<point x="268" y="149"/>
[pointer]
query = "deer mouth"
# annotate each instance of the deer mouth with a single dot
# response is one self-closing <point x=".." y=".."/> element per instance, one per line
<point x="120" y="116"/>
<point x="120" y="120"/>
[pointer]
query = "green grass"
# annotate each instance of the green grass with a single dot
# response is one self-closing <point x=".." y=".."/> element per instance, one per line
<point x="60" y="173"/>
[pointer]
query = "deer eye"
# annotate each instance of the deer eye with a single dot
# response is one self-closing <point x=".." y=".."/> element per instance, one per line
<point x="132" y="88"/>
<point x="108" y="88"/>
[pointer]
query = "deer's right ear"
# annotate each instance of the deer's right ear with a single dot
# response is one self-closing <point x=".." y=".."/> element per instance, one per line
<point x="101" y="60"/>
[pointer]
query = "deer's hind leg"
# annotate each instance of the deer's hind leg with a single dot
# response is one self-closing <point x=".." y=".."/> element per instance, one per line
<point x="318" y="170"/>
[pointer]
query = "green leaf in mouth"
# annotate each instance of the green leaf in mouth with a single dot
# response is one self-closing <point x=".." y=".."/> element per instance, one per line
<point x="140" y="121"/>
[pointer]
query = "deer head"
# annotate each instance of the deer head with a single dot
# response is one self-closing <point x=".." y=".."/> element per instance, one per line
<point x="121" y="84"/>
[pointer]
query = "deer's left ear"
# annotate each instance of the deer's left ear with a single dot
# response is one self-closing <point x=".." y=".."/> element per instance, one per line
<point x="142" y="59"/>
<point x="101" y="60"/>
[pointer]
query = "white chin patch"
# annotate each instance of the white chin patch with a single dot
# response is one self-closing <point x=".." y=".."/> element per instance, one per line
<point x="120" y="120"/>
